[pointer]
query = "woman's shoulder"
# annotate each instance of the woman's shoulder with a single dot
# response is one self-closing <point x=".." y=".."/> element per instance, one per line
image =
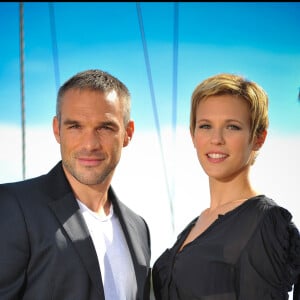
<point x="263" y="216"/>
<point x="266" y="206"/>
<point x="263" y="202"/>
<point x="279" y="237"/>
<point x="278" y="219"/>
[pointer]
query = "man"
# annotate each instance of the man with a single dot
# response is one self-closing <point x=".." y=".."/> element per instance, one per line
<point x="65" y="235"/>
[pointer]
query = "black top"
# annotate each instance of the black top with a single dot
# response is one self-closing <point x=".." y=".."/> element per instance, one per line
<point x="249" y="253"/>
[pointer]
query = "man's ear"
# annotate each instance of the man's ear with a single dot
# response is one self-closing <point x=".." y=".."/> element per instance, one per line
<point x="129" y="133"/>
<point x="55" y="128"/>
<point x="259" y="140"/>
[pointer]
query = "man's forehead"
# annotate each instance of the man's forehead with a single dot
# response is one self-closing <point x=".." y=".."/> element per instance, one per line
<point x="112" y="96"/>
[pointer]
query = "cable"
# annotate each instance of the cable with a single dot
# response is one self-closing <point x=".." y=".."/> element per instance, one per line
<point x="21" y="13"/>
<point x="54" y="45"/>
<point x="156" y="118"/>
<point x="174" y="96"/>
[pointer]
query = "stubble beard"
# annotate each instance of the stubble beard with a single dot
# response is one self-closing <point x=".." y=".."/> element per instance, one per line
<point x="88" y="176"/>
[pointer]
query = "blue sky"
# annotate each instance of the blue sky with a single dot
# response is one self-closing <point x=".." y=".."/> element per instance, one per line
<point x="258" y="40"/>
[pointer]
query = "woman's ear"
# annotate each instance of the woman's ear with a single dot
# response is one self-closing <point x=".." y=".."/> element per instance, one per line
<point x="259" y="140"/>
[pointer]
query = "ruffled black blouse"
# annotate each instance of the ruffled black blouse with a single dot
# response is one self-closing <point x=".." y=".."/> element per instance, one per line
<point x="249" y="253"/>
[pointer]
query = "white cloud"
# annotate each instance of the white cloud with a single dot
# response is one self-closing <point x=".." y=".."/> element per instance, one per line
<point x="41" y="152"/>
<point x="140" y="179"/>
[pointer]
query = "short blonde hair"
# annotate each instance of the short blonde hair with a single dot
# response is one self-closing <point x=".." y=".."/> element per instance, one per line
<point x="230" y="84"/>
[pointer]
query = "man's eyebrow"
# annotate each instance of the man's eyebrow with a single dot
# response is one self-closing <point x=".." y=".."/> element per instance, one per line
<point x="102" y="123"/>
<point x="70" y="121"/>
<point x="110" y="123"/>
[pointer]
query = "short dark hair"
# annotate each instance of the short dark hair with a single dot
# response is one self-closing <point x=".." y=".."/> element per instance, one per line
<point x="96" y="80"/>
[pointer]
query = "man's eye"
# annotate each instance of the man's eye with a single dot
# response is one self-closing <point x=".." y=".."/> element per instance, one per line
<point x="74" y="126"/>
<point x="107" y="127"/>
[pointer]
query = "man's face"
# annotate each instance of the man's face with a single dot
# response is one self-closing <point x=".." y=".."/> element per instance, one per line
<point x="91" y="134"/>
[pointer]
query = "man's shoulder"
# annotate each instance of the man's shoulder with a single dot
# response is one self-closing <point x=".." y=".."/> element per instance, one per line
<point x="30" y="184"/>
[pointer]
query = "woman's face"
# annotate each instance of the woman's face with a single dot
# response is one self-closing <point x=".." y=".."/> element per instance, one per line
<point x="222" y="137"/>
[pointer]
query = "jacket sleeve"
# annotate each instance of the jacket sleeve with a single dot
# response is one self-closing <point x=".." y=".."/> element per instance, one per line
<point x="270" y="264"/>
<point x="14" y="246"/>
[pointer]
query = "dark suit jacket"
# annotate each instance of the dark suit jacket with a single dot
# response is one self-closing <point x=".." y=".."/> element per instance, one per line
<point x="46" y="251"/>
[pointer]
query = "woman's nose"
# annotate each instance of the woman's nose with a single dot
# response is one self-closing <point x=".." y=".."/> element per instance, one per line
<point x="217" y="137"/>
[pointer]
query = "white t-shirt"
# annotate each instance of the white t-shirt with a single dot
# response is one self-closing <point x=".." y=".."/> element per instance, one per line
<point x="114" y="258"/>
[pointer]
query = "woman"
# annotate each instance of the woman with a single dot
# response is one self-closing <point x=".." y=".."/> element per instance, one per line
<point x="244" y="246"/>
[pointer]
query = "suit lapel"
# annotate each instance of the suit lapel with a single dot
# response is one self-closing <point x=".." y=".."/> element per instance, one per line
<point x="137" y="245"/>
<point x="67" y="211"/>
<point x="138" y="252"/>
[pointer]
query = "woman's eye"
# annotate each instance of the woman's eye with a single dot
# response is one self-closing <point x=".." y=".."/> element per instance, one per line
<point x="233" y="127"/>
<point x="204" y="126"/>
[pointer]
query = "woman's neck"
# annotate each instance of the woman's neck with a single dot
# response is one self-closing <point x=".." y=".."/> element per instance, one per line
<point x="224" y="193"/>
